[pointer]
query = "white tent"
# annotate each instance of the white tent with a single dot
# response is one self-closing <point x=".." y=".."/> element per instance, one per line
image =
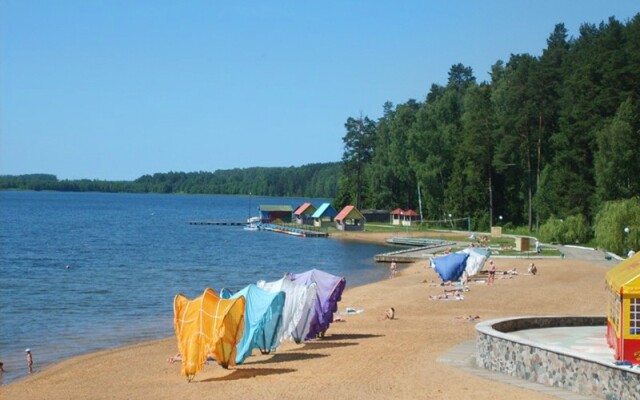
<point x="475" y="261"/>
<point x="298" y="307"/>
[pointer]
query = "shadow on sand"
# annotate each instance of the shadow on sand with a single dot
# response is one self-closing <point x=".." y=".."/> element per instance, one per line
<point x="247" y="373"/>
<point x="346" y="336"/>
<point x="286" y="357"/>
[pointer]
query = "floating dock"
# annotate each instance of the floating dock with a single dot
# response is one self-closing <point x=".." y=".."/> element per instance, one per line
<point x="228" y="223"/>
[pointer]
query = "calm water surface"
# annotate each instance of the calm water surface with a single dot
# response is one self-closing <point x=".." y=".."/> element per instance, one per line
<point x="81" y="272"/>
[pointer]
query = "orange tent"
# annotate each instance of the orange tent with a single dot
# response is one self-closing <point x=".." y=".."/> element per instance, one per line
<point x="207" y="326"/>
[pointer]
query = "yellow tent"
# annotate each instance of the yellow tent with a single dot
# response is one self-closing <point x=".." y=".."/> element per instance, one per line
<point x="625" y="276"/>
<point x="207" y="326"/>
<point x="623" y="316"/>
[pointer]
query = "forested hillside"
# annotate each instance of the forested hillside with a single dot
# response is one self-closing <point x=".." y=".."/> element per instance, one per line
<point x="550" y="136"/>
<point x="312" y="180"/>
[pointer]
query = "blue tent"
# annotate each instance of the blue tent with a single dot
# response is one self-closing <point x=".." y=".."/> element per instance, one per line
<point x="451" y="266"/>
<point x="263" y="319"/>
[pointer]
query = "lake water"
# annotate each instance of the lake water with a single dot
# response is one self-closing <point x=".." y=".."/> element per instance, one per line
<point x="128" y="255"/>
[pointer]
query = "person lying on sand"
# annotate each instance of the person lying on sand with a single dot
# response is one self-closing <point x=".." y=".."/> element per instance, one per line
<point x="178" y="358"/>
<point x="448" y="296"/>
<point x="469" y="318"/>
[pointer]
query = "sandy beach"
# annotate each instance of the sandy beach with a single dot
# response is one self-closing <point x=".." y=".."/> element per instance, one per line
<point x="362" y="358"/>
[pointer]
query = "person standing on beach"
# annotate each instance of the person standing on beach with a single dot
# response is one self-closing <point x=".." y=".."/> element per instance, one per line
<point x="29" y="360"/>
<point x="393" y="268"/>
<point x="492" y="273"/>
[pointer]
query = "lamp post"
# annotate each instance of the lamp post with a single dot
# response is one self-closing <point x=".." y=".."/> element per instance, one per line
<point x="500" y="218"/>
<point x="626" y="237"/>
<point x="450" y="221"/>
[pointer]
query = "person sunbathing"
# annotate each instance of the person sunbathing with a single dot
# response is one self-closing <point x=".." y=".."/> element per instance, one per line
<point x="447" y="296"/>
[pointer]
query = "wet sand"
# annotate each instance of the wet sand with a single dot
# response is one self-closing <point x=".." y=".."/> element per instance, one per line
<point x="364" y="357"/>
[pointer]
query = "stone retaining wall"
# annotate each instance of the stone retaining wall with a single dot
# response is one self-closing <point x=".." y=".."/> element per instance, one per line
<point x="549" y="365"/>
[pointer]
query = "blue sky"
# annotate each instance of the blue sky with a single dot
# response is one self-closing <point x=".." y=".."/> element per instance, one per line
<point x="117" y="89"/>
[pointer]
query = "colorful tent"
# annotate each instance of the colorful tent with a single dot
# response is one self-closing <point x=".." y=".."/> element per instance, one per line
<point x="330" y="288"/>
<point x="298" y="307"/>
<point x="263" y="320"/>
<point x="623" y="317"/>
<point x="451" y="266"/>
<point x="207" y="325"/>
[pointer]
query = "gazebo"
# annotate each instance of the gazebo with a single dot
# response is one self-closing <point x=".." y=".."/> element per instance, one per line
<point x="623" y="316"/>
<point x="409" y="218"/>
<point x="396" y="216"/>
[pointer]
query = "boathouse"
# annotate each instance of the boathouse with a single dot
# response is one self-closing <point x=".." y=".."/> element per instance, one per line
<point x="304" y="214"/>
<point x="350" y="219"/>
<point x="270" y="213"/>
<point x="623" y="319"/>
<point x="324" y="215"/>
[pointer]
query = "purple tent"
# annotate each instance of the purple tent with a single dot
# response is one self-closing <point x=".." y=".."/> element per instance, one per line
<point x="330" y="288"/>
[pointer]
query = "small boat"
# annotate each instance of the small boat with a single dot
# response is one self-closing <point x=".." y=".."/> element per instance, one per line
<point x="253" y="224"/>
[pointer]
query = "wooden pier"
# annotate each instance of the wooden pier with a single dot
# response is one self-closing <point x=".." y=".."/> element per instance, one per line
<point x="295" y="231"/>
<point x="228" y="223"/>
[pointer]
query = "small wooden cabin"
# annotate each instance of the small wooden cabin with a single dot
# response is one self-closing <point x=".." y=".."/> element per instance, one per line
<point x="350" y="219"/>
<point x="623" y="316"/>
<point x="304" y="214"/>
<point x="324" y="215"/>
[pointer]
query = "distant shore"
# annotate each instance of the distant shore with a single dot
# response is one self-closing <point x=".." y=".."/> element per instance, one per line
<point x="364" y="357"/>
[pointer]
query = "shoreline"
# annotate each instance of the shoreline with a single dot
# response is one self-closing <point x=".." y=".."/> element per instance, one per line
<point x="363" y="357"/>
<point x="358" y="237"/>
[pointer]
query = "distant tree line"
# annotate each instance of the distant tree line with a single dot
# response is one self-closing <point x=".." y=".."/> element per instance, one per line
<point x="311" y="180"/>
<point x="549" y="137"/>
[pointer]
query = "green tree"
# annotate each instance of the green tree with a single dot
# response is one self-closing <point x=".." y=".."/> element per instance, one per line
<point x="358" y="151"/>
<point x="617" y="225"/>
<point x="618" y="158"/>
